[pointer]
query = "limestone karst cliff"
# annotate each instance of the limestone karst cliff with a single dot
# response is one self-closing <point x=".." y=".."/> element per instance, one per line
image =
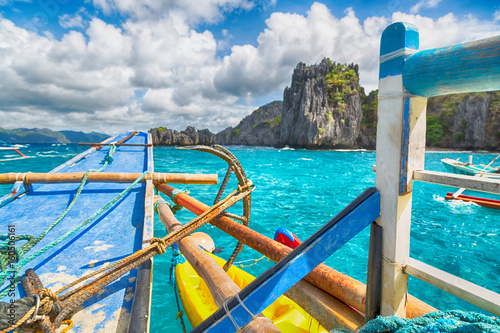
<point x="324" y="107"/>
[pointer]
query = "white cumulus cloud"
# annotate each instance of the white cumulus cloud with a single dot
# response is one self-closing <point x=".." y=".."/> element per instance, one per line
<point x="72" y="21"/>
<point x="157" y="68"/>
<point x="424" y="4"/>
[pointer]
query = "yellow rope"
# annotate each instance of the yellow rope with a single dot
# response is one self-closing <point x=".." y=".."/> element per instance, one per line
<point x="25" y="318"/>
<point x="68" y="322"/>
<point x="254" y="262"/>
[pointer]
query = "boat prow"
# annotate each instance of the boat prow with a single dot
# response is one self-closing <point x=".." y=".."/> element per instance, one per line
<point x="106" y="222"/>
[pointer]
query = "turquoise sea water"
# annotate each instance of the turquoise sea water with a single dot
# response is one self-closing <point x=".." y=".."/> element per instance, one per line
<point x="302" y="190"/>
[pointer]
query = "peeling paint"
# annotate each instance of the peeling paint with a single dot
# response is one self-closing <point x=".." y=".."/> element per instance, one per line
<point x="129" y="295"/>
<point x="56" y="281"/>
<point x="92" y="263"/>
<point x="98" y="247"/>
<point x="119" y="322"/>
<point x="87" y="319"/>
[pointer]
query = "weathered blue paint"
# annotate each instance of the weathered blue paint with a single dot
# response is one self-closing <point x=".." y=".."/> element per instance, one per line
<point x="466" y="67"/>
<point x="297" y="264"/>
<point x="115" y="234"/>
<point x="403" y="179"/>
<point x="397" y="36"/>
<point x="140" y="313"/>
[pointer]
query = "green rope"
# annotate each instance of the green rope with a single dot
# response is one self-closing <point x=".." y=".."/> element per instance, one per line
<point x="175" y="193"/>
<point x="174" y="209"/>
<point x="453" y="321"/>
<point x="160" y="202"/>
<point x="24" y="261"/>
<point x="6" y="251"/>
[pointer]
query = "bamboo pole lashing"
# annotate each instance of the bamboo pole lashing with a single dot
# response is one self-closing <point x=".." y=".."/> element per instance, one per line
<point x="341" y="286"/>
<point x="218" y="282"/>
<point x="108" y="177"/>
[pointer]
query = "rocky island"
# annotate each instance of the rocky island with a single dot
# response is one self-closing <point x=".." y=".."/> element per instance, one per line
<point x="326" y="108"/>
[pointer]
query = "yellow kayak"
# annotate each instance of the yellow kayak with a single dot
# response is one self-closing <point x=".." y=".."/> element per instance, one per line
<point x="198" y="303"/>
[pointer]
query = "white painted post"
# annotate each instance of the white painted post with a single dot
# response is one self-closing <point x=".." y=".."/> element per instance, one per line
<point x="400" y="150"/>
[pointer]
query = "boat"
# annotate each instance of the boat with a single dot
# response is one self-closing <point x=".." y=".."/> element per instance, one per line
<point x="4" y="146"/>
<point x="100" y="234"/>
<point x="407" y="78"/>
<point x="490" y="203"/>
<point x="71" y="232"/>
<point x="469" y="169"/>
<point x="199" y="304"/>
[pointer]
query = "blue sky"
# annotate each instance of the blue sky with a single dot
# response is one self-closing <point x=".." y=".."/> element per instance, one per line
<point x="113" y="65"/>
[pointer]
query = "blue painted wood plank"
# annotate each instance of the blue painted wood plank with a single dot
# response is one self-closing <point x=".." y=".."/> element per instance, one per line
<point x="273" y="283"/>
<point x="405" y="147"/>
<point x="115" y="234"/>
<point x="467" y="67"/>
<point x="396" y="37"/>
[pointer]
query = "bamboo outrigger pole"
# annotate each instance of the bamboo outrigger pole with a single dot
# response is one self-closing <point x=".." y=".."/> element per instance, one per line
<point x="108" y="177"/>
<point x="341" y="286"/>
<point x="218" y="282"/>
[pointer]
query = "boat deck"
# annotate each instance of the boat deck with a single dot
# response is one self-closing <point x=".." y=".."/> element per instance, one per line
<point x="116" y="233"/>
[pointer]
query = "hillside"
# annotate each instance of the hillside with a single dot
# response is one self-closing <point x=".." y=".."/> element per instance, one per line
<point x="325" y="108"/>
<point x="44" y="135"/>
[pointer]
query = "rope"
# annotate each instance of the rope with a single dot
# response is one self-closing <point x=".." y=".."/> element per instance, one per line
<point x="32" y="241"/>
<point x="244" y="306"/>
<point x="177" y="259"/>
<point x="230" y="317"/>
<point x="175" y="193"/>
<point x="439" y="321"/>
<point x="233" y="166"/>
<point x="174" y="209"/>
<point x="68" y="322"/>
<point x="160" y="202"/>
<point x="240" y="263"/>
<point x="20" y="321"/>
<point x="23" y="260"/>
<point x="83" y="293"/>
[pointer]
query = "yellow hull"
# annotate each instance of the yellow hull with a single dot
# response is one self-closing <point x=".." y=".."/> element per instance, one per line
<point x="199" y="304"/>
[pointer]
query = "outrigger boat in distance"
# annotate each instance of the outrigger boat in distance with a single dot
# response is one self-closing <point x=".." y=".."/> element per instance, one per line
<point x="4" y="146"/>
<point x="490" y="203"/>
<point x="462" y="168"/>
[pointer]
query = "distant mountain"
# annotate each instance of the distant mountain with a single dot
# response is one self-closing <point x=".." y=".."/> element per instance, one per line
<point x="75" y="137"/>
<point x="45" y="135"/>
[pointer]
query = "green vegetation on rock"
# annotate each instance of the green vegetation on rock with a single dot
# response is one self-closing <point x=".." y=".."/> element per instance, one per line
<point x="341" y="82"/>
<point x="435" y="131"/>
